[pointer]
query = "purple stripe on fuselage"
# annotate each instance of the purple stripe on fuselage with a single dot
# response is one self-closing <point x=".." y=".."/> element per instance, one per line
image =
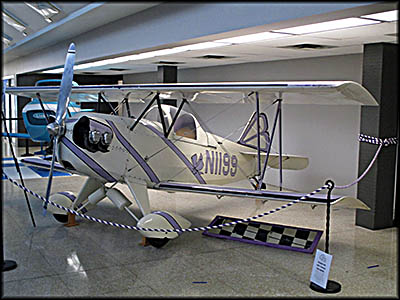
<point x="153" y="177"/>
<point x="87" y="160"/>
<point x="170" y="219"/>
<point x="179" y="154"/>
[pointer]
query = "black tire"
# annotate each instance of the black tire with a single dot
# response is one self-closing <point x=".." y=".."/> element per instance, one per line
<point x="157" y="243"/>
<point x="61" y="218"/>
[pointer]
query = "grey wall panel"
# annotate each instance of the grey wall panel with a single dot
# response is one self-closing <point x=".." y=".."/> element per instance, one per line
<point x="340" y="67"/>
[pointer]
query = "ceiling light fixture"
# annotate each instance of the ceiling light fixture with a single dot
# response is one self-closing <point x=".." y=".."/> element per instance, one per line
<point x="13" y="21"/>
<point x="252" y="37"/>
<point x="6" y="39"/>
<point x="144" y="55"/>
<point x="201" y="46"/>
<point x="46" y="9"/>
<point x="387" y="16"/>
<point x="59" y="70"/>
<point x="149" y="54"/>
<point x="326" y="26"/>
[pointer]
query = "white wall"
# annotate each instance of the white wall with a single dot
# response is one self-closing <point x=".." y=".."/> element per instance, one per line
<point x="327" y="134"/>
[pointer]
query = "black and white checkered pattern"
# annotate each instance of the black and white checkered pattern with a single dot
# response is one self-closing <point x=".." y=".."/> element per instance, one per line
<point x="266" y="233"/>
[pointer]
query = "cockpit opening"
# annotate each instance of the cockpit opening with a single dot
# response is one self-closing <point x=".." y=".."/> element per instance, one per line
<point x="185" y="124"/>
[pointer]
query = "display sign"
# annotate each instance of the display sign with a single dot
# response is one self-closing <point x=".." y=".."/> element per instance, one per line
<point x="321" y="268"/>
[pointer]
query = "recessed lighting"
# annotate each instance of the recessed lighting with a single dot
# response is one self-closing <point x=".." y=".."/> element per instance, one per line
<point x="201" y="46"/>
<point x="326" y="26"/>
<point x="46" y="9"/>
<point x="144" y="55"/>
<point x="252" y="37"/>
<point x="387" y="16"/>
<point x="59" y="70"/>
<point x="13" y="21"/>
<point x="6" y="39"/>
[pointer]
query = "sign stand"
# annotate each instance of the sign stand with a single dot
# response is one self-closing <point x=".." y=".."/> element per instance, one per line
<point x="331" y="286"/>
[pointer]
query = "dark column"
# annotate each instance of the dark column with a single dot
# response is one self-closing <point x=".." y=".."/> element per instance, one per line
<point x="167" y="74"/>
<point x="378" y="186"/>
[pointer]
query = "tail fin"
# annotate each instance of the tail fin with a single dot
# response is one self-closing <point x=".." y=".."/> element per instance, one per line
<point x="249" y="134"/>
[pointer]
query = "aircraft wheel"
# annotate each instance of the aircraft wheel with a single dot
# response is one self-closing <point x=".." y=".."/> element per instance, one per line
<point x="64" y="199"/>
<point x="157" y="243"/>
<point x="61" y="218"/>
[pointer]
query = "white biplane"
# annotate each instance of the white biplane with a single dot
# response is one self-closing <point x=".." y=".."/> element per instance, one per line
<point x="166" y="148"/>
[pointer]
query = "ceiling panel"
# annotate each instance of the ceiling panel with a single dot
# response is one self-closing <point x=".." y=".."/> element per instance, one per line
<point x="344" y="41"/>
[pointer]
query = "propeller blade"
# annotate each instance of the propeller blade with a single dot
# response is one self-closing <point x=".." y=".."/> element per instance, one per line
<point x="56" y="129"/>
<point x="66" y="85"/>
<point x="48" y="190"/>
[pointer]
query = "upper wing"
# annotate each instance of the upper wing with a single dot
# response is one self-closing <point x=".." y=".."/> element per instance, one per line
<point x="304" y="92"/>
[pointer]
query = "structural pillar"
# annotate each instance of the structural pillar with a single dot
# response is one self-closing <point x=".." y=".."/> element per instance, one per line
<point x="378" y="187"/>
<point x="167" y="74"/>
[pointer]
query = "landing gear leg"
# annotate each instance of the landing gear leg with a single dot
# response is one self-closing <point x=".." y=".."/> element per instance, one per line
<point x="71" y="220"/>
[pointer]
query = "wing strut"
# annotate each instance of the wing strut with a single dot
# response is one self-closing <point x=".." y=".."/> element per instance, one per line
<point x="102" y="98"/>
<point x="157" y="96"/>
<point x="42" y="106"/>
<point x="258" y="137"/>
<point x="17" y="167"/>
<point x="175" y="117"/>
<point x="278" y="115"/>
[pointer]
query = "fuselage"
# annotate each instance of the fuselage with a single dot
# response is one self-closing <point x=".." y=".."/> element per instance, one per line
<point x="144" y="154"/>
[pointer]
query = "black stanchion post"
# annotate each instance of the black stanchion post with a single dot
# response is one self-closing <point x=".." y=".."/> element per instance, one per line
<point x="331" y="286"/>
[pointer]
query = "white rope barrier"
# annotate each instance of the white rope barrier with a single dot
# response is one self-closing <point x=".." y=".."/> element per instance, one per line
<point x="362" y="138"/>
<point x="375" y="141"/>
<point x="163" y="229"/>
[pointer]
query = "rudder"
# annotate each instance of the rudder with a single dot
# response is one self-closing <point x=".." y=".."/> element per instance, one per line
<point x="249" y="134"/>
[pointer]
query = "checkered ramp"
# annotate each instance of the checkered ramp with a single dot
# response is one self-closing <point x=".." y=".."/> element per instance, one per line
<point x="267" y="234"/>
<point x="28" y="172"/>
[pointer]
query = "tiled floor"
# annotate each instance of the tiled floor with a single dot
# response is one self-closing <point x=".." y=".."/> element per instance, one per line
<point x="97" y="260"/>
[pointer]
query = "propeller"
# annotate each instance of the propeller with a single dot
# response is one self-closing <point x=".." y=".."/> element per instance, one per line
<point x="57" y="128"/>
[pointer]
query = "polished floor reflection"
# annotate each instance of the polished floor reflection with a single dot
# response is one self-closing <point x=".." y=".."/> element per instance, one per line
<point x="98" y="260"/>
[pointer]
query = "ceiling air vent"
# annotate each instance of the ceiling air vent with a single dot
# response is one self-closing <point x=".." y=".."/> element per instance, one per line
<point x="163" y="62"/>
<point x="214" y="56"/>
<point x="308" y="47"/>
<point x="118" y="69"/>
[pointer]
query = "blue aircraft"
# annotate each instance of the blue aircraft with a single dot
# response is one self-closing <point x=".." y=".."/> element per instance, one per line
<point x="33" y="116"/>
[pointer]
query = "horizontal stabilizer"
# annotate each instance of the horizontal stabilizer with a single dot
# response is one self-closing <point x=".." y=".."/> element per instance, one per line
<point x="350" y="202"/>
<point x="289" y="162"/>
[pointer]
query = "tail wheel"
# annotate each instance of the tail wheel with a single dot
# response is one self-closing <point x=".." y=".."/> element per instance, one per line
<point x="157" y="243"/>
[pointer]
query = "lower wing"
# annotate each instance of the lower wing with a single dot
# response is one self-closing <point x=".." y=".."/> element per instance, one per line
<point x="343" y="201"/>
